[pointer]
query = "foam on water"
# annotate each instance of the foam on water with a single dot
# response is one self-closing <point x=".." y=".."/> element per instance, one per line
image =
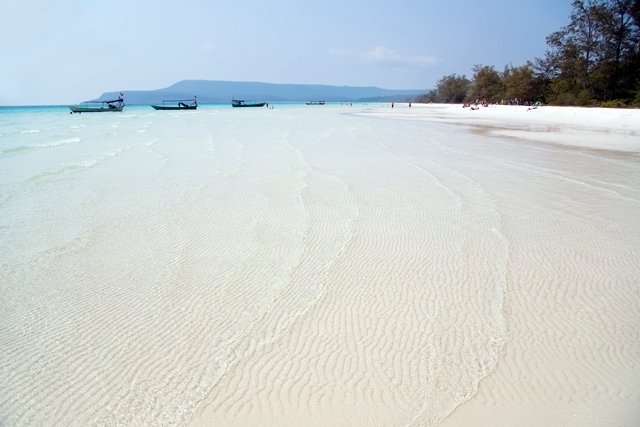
<point x="266" y="266"/>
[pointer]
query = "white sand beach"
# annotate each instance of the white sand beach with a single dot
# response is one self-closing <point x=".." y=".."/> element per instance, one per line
<point x="321" y="266"/>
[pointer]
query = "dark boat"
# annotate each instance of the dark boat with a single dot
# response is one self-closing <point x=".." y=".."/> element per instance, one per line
<point x="243" y="103"/>
<point x="98" y="106"/>
<point x="177" y="104"/>
<point x="315" y="103"/>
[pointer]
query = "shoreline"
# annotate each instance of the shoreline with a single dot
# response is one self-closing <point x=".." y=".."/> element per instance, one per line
<point x="581" y="127"/>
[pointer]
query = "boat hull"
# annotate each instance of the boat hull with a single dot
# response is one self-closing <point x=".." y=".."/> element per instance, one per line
<point x="173" y="107"/>
<point x="81" y="109"/>
<point x="248" y="104"/>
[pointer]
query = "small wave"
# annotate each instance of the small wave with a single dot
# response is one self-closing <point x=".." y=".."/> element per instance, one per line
<point x="88" y="163"/>
<point x="16" y="149"/>
<point x="22" y="148"/>
<point x="74" y="140"/>
<point x="85" y="164"/>
<point x="47" y="174"/>
<point x="30" y="131"/>
<point x="114" y="152"/>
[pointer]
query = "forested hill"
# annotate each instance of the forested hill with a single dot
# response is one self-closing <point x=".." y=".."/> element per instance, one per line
<point x="209" y="91"/>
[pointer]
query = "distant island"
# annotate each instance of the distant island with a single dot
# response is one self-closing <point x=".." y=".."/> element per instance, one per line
<point x="214" y="91"/>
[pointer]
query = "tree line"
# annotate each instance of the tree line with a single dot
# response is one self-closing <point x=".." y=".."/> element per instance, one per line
<point x="593" y="60"/>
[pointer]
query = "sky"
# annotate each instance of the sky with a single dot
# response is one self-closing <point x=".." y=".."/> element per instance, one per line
<point x="67" y="51"/>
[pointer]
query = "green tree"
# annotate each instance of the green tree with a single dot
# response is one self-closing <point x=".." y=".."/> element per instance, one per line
<point x="431" y="96"/>
<point x="596" y="55"/>
<point x="486" y="84"/>
<point x="572" y="56"/>
<point x="452" y="89"/>
<point x="595" y="58"/>
<point x="449" y="89"/>
<point x="620" y="49"/>
<point x="522" y="83"/>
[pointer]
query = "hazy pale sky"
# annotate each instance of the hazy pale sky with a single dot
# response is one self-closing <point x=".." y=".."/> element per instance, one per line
<point x="66" y="51"/>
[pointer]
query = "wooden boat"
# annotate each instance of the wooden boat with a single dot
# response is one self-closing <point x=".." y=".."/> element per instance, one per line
<point x="243" y="103"/>
<point x="177" y="104"/>
<point x="315" y="103"/>
<point x="98" y="106"/>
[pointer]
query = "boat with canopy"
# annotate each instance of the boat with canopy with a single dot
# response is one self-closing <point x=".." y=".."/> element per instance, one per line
<point x="244" y="103"/>
<point x="98" y="106"/>
<point x="177" y="104"/>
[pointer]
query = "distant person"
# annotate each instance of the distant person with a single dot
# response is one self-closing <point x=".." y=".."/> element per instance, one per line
<point x="392" y="105"/>
<point x="409" y="105"/>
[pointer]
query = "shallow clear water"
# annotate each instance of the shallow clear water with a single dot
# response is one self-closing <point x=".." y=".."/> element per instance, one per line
<point x="152" y="261"/>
